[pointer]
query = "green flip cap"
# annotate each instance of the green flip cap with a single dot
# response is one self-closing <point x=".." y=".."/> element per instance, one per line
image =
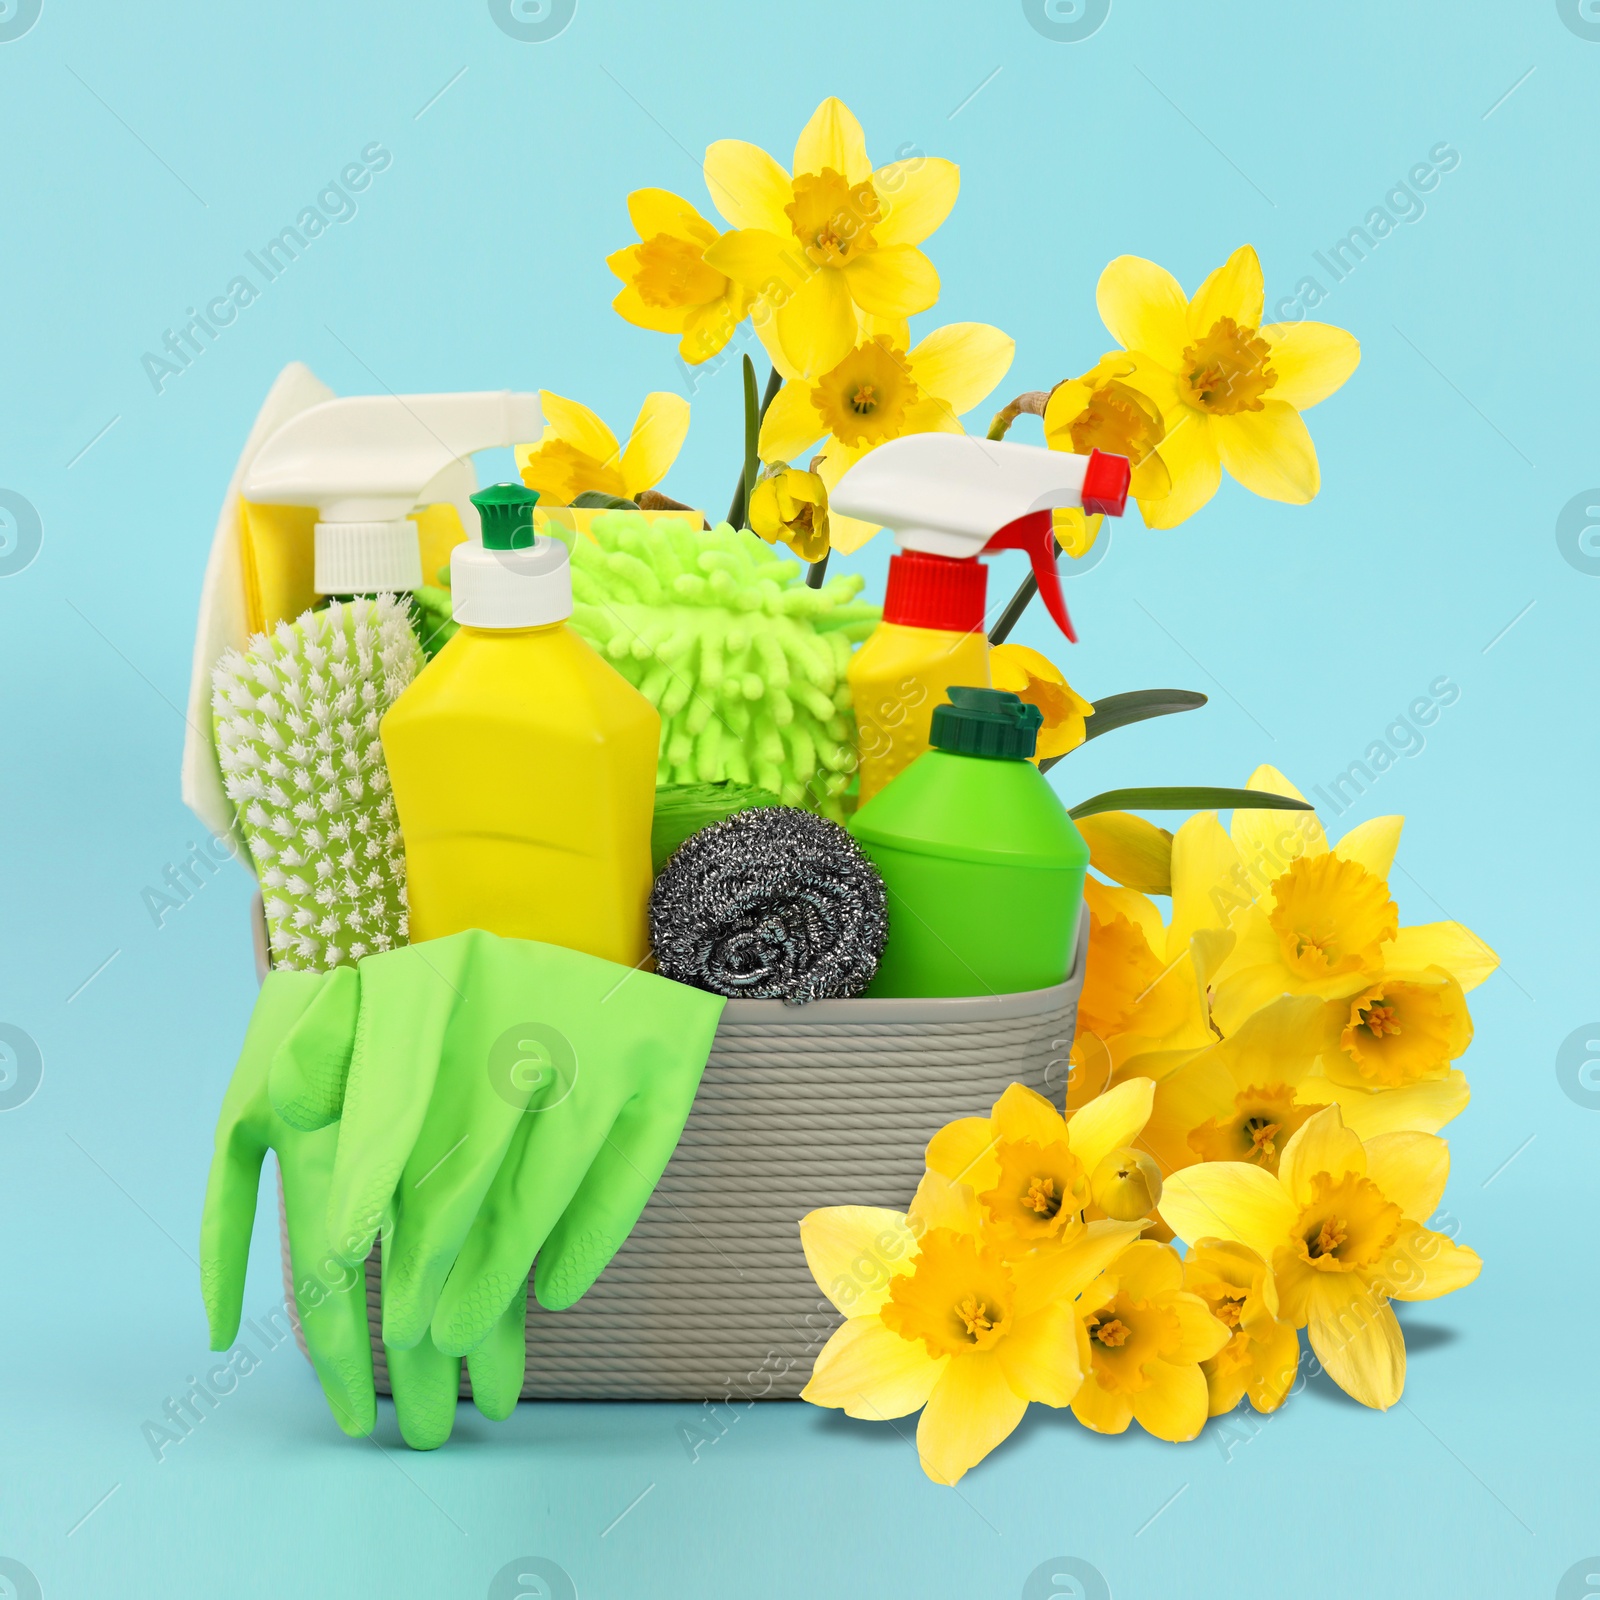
<point x="506" y="512"/>
<point x="986" y="722"/>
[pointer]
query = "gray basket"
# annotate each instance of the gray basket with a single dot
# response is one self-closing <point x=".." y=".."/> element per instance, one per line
<point x="827" y="1104"/>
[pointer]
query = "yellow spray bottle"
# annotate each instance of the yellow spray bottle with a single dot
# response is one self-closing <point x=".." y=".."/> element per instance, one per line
<point x="523" y="765"/>
<point x="949" y="499"/>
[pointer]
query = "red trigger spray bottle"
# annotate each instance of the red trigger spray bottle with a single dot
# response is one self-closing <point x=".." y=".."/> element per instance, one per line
<point x="949" y="499"/>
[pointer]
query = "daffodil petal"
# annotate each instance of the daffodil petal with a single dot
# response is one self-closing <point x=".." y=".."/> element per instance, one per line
<point x="914" y="196"/>
<point x="1372" y="844"/>
<point x="833" y="138"/>
<point x="942" y="1202"/>
<point x="1358" y="1341"/>
<point x="972" y="1409"/>
<point x="1103" y="1410"/>
<point x="817" y="324"/>
<point x="1228" y="1200"/>
<point x="707" y="328"/>
<point x="760" y="260"/>
<point x="1311" y="360"/>
<point x="868" y="1371"/>
<point x="854" y="1253"/>
<point x="658" y="434"/>
<point x="1039" y="1357"/>
<point x="1275" y="1368"/>
<point x="1146" y="1269"/>
<point x="1110" y="1121"/>
<point x="848" y="534"/>
<point x="1130" y="850"/>
<point x="1200" y="1335"/>
<point x="961" y="1148"/>
<point x="1442" y="944"/>
<point x="1234" y="290"/>
<point x="1207" y="880"/>
<point x="1411" y="1169"/>
<point x="896" y="280"/>
<point x="653" y="211"/>
<point x="961" y="363"/>
<point x="1107" y="900"/>
<point x="578" y="426"/>
<point x="1190" y="453"/>
<point x="792" y="424"/>
<point x="1321" y="1144"/>
<point x="1424" y="1265"/>
<point x="1268" y="841"/>
<point x="748" y="187"/>
<point x="1144" y="308"/>
<point x="1423" y="1107"/>
<point x="1175" y="1404"/>
<point x="632" y="307"/>
<point x="1022" y="1113"/>
<point x="1064" y="1271"/>
<point x="1270" y="452"/>
<point x="1065" y="405"/>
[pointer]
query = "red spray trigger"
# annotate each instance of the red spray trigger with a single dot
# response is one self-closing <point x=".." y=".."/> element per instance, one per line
<point x="1033" y="534"/>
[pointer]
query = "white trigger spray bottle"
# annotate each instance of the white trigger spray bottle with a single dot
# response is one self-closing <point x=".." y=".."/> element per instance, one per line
<point x="949" y="499"/>
<point x="366" y="461"/>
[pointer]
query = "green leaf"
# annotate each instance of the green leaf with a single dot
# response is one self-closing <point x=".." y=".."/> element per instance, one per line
<point x="593" y="500"/>
<point x="1119" y="710"/>
<point x="1192" y="798"/>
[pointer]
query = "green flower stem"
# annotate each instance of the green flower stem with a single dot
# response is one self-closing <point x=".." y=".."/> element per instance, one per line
<point x="753" y="418"/>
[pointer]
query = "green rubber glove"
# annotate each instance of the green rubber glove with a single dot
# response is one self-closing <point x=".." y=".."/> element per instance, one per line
<point x="498" y="1099"/>
<point x="330" y="1285"/>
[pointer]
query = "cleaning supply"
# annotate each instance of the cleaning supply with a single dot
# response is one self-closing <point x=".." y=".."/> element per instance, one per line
<point x="330" y="1294"/>
<point x="746" y="664"/>
<point x="497" y="1099"/>
<point x="686" y="808"/>
<point x="297" y="717"/>
<point x="983" y="866"/>
<point x="949" y="499"/>
<point x="523" y="765"/>
<point x="770" y="904"/>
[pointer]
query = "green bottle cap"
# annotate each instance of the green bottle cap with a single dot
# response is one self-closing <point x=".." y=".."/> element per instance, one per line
<point x="506" y="512"/>
<point x="987" y="722"/>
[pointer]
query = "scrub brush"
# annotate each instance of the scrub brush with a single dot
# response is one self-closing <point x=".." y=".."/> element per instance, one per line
<point x="745" y="663"/>
<point x="297" y="717"/>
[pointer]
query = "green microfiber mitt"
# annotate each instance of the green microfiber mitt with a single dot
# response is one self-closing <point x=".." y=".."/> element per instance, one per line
<point x="745" y="663"/>
<point x="297" y="717"/>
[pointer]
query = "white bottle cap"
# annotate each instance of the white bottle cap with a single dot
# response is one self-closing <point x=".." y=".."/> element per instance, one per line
<point x="525" y="588"/>
<point x="366" y="557"/>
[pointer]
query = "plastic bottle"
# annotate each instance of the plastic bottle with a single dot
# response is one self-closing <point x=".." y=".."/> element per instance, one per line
<point x="523" y="765"/>
<point x="949" y="499"/>
<point x="983" y="866"/>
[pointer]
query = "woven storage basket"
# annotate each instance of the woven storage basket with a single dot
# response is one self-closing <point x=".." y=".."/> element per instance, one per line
<point x="827" y="1104"/>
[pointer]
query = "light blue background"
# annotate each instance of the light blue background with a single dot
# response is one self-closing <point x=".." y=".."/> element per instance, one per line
<point x="146" y="148"/>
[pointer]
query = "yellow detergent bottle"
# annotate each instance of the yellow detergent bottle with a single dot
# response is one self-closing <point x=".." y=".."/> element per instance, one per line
<point x="949" y="499"/>
<point x="523" y="765"/>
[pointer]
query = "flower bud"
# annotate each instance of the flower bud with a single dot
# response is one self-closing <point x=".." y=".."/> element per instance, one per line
<point x="1126" y="1185"/>
<point x="792" y="505"/>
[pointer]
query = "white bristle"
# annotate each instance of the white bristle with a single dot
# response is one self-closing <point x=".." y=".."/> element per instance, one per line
<point x="297" y="716"/>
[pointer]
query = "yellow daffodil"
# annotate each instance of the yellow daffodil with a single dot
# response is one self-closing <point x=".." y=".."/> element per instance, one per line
<point x="1029" y="1166"/>
<point x="1399" y="1031"/>
<point x="829" y="244"/>
<point x="940" y="1317"/>
<point x="792" y="506"/>
<point x="1243" y="1097"/>
<point x="1103" y="411"/>
<point x="1144" y="988"/>
<point x="1342" y="1226"/>
<point x="879" y="391"/>
<point x="1263" y="1353"/>
<point x="1229" y="390"/>
<point x="1040" y="682"/>
<point x="1147" y="1336"/>
<point x="667" y="284"/>
<point x="577" y="453"/>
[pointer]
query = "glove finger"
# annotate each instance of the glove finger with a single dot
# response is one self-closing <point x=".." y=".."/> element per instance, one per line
<point x="245" y="1127"/>
<point x="499" y="1365"/>
<point x="463" y="1164"/>
<point x="405" y="1011"/>
<point x="425" y="1382"/>
<point x="608" y="1202"/>
<point x="537" y="1180"/>
<point x="306" y="1079"/>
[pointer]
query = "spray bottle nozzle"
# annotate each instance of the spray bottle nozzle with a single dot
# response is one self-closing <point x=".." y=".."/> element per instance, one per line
<point x="1035" y="534"/>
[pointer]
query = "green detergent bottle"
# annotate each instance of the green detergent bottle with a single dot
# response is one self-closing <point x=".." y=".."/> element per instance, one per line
<point x="983" y="866"/>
